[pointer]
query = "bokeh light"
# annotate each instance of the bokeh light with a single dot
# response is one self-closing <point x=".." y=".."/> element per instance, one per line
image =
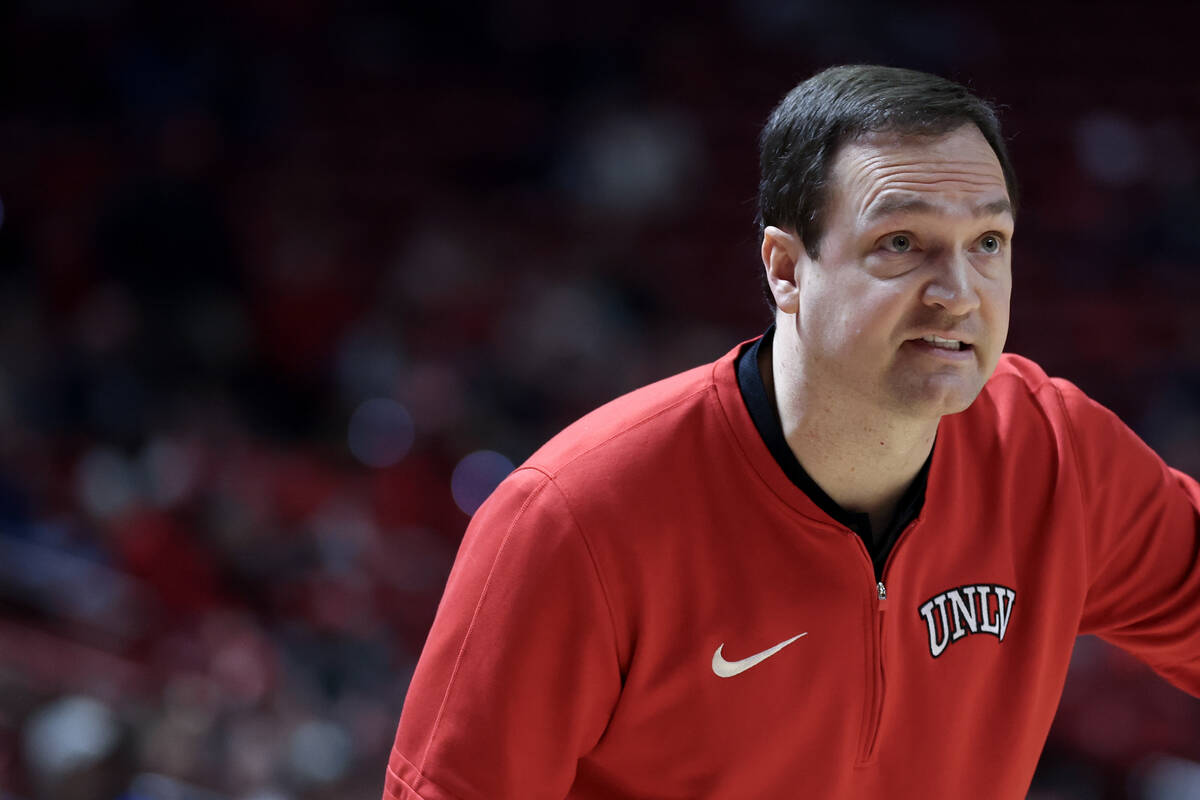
<point x="1111" y="148"/>
<point x="319" y="752"/>
<point x="71" y="733"/>
<point x="381" y="432"/>
<point x="106" y="482"/>
<point x="1167" y="778"/>
<point x="476" y="477"/>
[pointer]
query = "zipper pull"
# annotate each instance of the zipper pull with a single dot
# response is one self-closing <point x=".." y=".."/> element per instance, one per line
<point x="882" y="590"/>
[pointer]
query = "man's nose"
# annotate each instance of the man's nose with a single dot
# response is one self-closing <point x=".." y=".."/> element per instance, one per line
<point x="951" y="284"/>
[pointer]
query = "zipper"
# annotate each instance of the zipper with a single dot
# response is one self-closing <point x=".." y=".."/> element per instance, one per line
<point x="876" y="676"/>
<point x="880" y="687"/>
<point x="875" y="670"/>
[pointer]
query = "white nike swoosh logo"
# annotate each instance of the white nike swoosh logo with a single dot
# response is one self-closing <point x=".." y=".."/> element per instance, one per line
<point x="727" y="669"/>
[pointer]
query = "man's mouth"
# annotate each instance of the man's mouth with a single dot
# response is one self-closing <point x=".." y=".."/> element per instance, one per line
<point x="945" y="344"/>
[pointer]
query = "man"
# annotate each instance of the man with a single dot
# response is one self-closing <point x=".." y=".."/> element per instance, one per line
<point x="847" y="560"/>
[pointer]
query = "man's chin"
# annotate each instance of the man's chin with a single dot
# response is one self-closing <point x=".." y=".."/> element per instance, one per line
<point x="939" y="395"/>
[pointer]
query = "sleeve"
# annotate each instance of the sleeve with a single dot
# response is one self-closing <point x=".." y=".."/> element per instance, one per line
<point x="520" y="671"/>
<point x="1143" y="526"/>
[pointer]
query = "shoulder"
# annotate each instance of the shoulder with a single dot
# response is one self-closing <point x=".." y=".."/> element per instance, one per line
<point x="1023" y="415"/>
<point x="604" y="479"/>
<point x="1017" y="377"/>
<point x="1020" y="388"/>
<point x="641" y="454"/>
<point x="636" y="426"/>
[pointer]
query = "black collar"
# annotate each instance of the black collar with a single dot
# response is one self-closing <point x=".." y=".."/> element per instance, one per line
<point x="766" y="420"/>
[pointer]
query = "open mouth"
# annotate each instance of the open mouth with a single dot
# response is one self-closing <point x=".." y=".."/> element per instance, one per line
<point x="944" y="344"/>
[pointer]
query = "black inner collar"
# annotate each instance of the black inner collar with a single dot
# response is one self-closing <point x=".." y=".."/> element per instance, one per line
<point x="766" y="420"/>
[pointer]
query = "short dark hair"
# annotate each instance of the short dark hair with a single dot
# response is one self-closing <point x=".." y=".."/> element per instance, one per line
<point x="841" y="104"/>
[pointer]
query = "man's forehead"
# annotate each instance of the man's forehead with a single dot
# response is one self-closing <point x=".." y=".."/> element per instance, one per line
<point x="889" y="173"/>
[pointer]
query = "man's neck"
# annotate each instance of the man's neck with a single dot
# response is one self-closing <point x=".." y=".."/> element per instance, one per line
<point x="863" y="458"/>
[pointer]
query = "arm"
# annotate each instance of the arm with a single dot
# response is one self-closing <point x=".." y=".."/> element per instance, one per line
<point x="1143" y="523"/>
<point x="520" y="672"/>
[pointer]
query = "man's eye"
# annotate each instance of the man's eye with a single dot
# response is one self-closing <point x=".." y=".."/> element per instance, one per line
<point x="990" y="244"/>
<point x="899" y="243"/>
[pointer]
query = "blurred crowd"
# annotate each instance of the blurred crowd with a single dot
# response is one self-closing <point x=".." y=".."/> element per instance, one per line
<point x="286" y="288"/>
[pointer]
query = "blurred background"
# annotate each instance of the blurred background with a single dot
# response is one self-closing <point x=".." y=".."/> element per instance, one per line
<point x="286" y="287"/>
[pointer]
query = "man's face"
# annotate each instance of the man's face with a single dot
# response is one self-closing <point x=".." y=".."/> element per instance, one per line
<point x="916" y="244"/>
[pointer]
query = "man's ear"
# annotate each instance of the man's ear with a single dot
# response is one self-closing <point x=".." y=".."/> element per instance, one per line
<point x="781" y="254"/>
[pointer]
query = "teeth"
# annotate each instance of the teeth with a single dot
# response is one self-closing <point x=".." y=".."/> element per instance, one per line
<point x="937" y="341"/>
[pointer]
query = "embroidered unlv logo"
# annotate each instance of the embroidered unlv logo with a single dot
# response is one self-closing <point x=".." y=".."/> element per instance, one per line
<point x="978" y="608"/>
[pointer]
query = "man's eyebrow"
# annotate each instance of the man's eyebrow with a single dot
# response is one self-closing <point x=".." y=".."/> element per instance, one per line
<point x="899" y="205"/>
<point x="995" y="208"/>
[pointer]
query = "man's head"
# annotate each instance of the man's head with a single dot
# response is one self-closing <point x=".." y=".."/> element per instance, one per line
<point x="899" y="240"/>
<point x="816" y="119"/>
